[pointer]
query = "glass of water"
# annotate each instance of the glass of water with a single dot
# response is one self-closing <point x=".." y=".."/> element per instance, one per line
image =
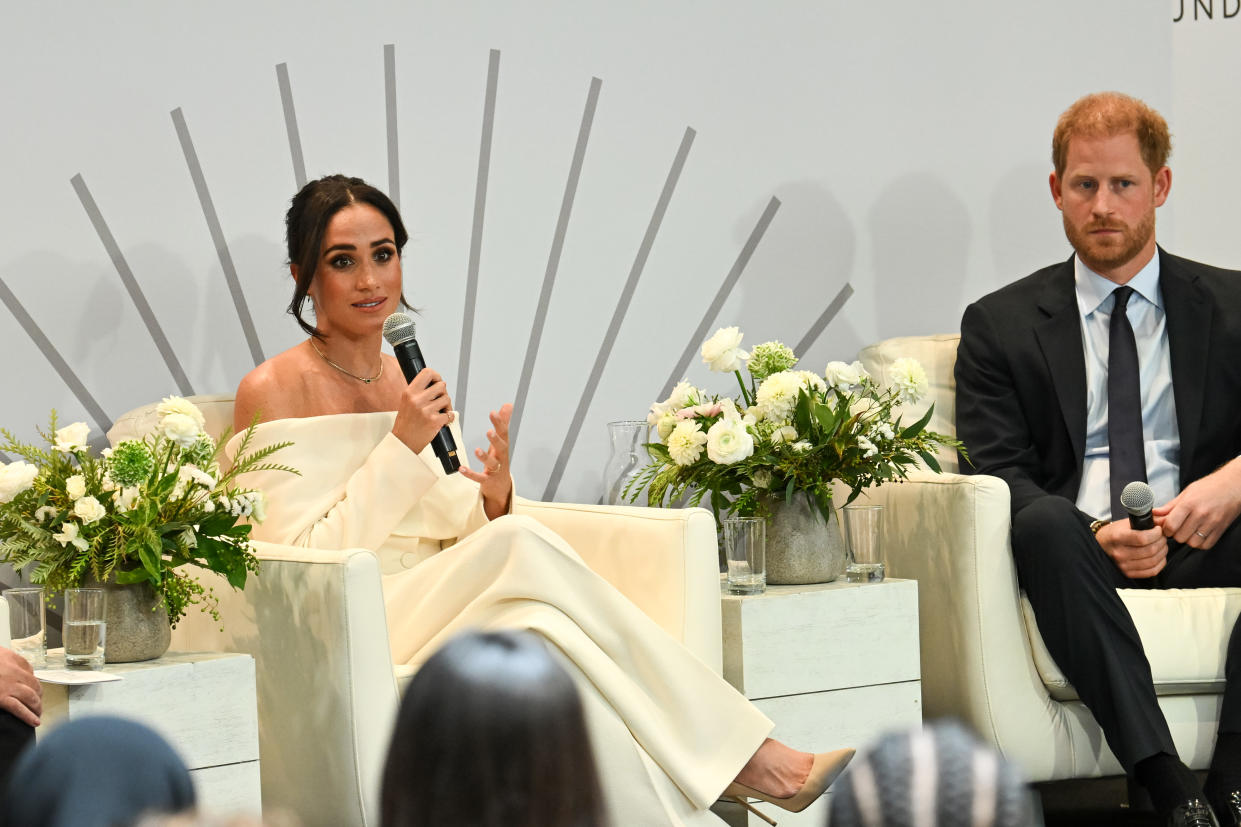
<point x="745" y="549"/>
<point x="862" y="526"/>
<point x="84" y="630"/>
<point x="28" y="624"/>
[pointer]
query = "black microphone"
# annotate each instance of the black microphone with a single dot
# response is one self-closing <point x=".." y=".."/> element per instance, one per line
<point x="1138" y="499"/>
<point x="399" y="331"/>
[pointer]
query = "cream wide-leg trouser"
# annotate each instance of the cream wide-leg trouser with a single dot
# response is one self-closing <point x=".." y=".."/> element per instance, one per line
<point x="668" y="733"/>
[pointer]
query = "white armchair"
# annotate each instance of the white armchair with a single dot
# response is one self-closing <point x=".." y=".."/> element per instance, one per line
<point x="982" y="657"/>
<point x="314" y="622"/>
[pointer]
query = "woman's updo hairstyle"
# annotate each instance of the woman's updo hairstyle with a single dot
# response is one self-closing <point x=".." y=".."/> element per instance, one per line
<point x="306" y="223"/>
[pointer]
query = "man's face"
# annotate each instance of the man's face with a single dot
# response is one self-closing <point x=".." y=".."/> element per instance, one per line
<point x="1108" y="197"/>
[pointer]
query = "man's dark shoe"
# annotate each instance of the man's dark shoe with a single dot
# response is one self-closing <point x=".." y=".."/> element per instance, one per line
<point x="1193" y="813"/>
<point x="1229" y="809"/>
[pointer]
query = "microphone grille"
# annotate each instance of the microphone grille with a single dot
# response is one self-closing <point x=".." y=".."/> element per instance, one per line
<point x="398" y="328"/>
<point x="1137" y="498"/>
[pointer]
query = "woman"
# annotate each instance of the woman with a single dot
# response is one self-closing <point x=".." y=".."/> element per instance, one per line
<point x="670" y="735"/>
<point x="491" y="732"/>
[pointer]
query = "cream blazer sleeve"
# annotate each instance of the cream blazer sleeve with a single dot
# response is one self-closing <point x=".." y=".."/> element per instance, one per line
<point x="358" y="485"/>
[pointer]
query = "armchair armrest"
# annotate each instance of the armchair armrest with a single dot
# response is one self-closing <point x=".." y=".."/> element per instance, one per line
<point x="665" y="560"/>
<point x="314" y="622"/>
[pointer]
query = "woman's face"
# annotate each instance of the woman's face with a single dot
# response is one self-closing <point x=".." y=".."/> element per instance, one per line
<point x="357" y="283"/>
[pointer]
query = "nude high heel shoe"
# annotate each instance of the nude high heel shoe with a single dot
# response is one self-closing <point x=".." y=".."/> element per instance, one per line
<point x="826" y="768"/>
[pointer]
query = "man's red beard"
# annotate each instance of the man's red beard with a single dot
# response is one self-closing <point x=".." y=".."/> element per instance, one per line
<point x="1109" y="252"/>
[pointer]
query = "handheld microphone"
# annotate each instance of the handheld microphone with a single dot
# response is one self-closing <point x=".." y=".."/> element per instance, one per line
<point x="399" y="332"/>
<point x="1138" y="499"/>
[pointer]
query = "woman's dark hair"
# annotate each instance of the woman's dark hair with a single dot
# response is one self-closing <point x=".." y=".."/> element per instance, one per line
<point x="491" y="733"/>
<point x="306" y="223"/>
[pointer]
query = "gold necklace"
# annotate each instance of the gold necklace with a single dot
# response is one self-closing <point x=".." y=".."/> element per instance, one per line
<point x="361" y="379"/>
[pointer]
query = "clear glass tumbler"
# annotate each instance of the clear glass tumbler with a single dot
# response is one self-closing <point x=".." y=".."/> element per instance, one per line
<point x="863" y="524"/>
<point x="628" y="458"/>
<point x="28" y="624"/>
<point x="85" y="631"/>
<point x="745" y="550"/>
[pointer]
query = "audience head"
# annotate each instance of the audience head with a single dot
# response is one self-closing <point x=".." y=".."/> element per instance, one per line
<point x="491" y="732"/>
<point x="96" y="772"/>
<point x="307" y="222"/>
<point x="1106" y="114"/>
<point x="940" y="776"/>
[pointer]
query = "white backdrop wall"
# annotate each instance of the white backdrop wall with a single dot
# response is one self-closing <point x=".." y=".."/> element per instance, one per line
<point x="906" y="143"/>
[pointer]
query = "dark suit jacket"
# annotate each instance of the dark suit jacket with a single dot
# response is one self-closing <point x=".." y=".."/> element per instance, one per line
<point x="1021" y="377"/>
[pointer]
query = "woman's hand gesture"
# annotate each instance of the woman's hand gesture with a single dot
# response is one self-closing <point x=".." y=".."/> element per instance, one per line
<point x="495" y="481"/>
<point x="424" y="408"/>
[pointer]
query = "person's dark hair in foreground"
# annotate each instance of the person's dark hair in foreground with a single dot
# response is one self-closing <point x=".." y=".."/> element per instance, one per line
<point x="940" y="776"/>
<point x="96" y="772"/>
<point x="491" y="732"/>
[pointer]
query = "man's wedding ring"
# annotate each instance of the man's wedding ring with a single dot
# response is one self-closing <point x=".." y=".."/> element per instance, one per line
<point x="1200" y="534"/>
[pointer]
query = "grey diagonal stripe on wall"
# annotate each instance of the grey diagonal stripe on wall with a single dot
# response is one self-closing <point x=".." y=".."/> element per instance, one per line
<point x="476" y="233"/>
<point x="820" y="324"/>
<point x="553" y="259"/>
<point x="618" y="316"/>
<point x="394" y="158"/>
<point x="721" y="296"/>
<point x="53" y="356"/>
<point x="290" y="124"/>
<point x="131" y="285"/>
<point x="5" y="457"/>
<point x="217" y="236"/>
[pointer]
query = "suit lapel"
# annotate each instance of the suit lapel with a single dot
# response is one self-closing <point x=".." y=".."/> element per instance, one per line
<point x="1189" y="316"/>
<point x="1060" y="338"/>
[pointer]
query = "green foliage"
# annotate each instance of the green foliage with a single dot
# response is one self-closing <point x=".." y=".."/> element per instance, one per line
<point x="161" y="505"/>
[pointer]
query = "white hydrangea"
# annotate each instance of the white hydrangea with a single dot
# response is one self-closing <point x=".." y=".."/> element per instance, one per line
<point x="722" y="352"/>
<point x="801" y="446"/>
<point x="868" y="447"/>
<point x="728" y="441"/>
<point x="685" y="443"/>
<point x="909" y="379"/>
<point x="71" y="438"/>
<point x="16" y="477"/>
<point x="883" y="430"/>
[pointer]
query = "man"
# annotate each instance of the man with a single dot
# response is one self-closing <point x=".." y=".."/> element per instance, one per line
<point x="1067" y="399"/>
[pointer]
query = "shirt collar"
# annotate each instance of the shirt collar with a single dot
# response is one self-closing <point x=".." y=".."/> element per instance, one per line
<point x="1093" y="289"/>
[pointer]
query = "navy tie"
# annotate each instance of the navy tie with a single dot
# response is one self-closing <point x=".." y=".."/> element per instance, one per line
<point x="1126" y="449"/>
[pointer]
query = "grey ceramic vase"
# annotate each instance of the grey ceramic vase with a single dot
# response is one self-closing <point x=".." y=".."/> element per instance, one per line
<point x="801" y="547"/>
<point x="137" y="625"/>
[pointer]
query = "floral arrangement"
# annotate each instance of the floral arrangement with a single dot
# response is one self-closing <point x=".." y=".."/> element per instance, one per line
<point x="789" y="432"/>
<point x="137" y="512"/>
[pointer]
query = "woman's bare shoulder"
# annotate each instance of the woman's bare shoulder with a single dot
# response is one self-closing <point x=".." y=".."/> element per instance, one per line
<point x="271" y="389"/>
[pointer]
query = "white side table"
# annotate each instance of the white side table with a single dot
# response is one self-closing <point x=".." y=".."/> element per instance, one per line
<point x="204" y="703"/>
<point x="833" y="665"/>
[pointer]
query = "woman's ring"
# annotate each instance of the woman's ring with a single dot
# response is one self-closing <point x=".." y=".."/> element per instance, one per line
<point x="1200" y="534"/>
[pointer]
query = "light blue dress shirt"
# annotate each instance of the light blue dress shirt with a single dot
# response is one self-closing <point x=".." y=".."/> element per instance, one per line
<point x="1159" y="430"/>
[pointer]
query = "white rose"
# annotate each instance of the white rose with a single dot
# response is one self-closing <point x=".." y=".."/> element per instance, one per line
<point x="722" y="352"/>
<point x="70" y="535"/>
<point x="909" y="379"/>
<point x="89" y="510"/>
<point x="685" y="442"/>
<point x="728" y="441"/>
<point x="682" y="394"/>
<point x="177" y="405"/>
<point x="785" y="433"/>
<point x="762" y="478"/>
<point x="43" y="512"/>
<point x="71" y="438"/>
<point x="841" y="376"/>
<point x="75" y="486"/>
<point x="15" y="478"/>
<point x="862" y="373"/>
<point x="180" y="428"/>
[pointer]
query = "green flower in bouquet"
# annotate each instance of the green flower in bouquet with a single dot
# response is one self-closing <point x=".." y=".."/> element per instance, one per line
<point x="790" y="431"/>
<point x="137" y="512"/>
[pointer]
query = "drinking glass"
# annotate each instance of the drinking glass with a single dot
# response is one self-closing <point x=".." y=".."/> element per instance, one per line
<point x="627" y="459"/>
<point x="862" y="528"/>
<point x="84" y="629"/>
<point x="745" y="550"/>
<point x="28" y="624"/>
